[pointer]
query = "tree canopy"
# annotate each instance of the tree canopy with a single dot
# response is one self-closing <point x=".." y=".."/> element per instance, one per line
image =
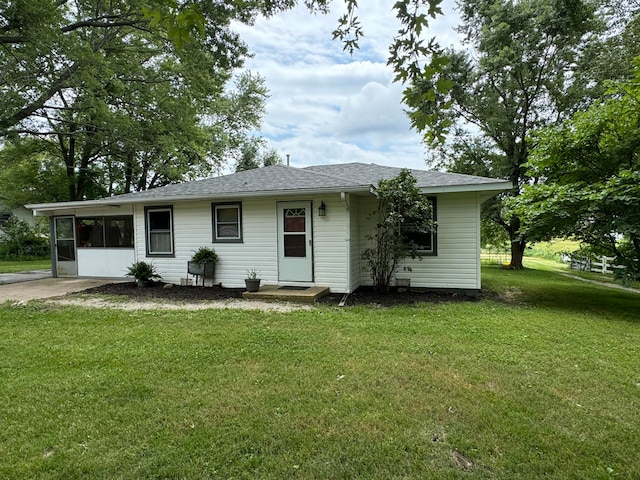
<point x="587" y="178"/>
<point x="120" y="106"/>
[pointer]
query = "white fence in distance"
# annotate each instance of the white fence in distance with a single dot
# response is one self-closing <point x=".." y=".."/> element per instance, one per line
<point x="604" y="265"/>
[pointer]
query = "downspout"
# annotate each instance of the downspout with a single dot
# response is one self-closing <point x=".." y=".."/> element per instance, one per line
<point x="343" y="198"/>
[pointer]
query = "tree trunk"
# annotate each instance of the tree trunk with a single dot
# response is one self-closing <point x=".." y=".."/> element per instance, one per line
<point x="518" y="243"/>
<point x="517" y="252"/>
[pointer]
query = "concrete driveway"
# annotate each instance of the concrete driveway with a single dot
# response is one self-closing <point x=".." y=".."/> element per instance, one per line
<point x="26" y="286"/>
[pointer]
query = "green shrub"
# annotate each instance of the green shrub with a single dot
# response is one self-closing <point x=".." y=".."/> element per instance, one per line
<point x="21" y="241"/>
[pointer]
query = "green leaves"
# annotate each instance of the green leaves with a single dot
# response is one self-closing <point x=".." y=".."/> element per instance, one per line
<point x="590" y="179"/>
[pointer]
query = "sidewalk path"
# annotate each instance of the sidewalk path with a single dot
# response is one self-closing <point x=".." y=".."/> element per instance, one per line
<point x="18" y="277"/>
<point x="602" y="284"/>
<point x="40" y="288"/>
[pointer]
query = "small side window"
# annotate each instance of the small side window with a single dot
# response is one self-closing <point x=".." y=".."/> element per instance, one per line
<point x="227" y="222"/>
<point x="426" y="243"/>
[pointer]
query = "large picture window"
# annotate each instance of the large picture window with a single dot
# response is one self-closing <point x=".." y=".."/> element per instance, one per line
<point x="426" y="243"/>
<point x="159" y="226"/>
<point x="227" y="222"/>
<point x="105" y="232"/>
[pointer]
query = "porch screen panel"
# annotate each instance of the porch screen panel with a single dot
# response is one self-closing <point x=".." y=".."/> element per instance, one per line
<point x="295" y="236"/>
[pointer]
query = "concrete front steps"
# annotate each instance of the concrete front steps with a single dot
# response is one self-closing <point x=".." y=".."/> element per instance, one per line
<point x="288" y="294"/>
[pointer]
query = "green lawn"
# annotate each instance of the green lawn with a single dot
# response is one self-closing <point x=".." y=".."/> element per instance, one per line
<point x="541" y="380"/>
<point x="10" y="266"/>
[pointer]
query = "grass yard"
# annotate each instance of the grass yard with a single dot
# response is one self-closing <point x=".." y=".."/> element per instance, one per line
<point x="10" y="266"/>
<point x="542" y="381"/>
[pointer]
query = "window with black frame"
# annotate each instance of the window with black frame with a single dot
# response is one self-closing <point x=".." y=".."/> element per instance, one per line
<point x="227" y="222"/>
<point x="159" y="229"/>
<point x="425" y="241"/>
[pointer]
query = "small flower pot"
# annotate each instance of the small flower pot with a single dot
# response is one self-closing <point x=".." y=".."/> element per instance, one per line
<point x="253" y="285"/>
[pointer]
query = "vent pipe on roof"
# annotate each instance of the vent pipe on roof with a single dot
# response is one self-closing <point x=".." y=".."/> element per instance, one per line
<point x="288" y="159"/>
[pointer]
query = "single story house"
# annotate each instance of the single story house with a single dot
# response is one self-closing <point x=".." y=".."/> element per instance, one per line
<point x="296" y="226"/>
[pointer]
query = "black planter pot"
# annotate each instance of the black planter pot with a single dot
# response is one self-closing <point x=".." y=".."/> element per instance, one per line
<point x="252" y="285"/>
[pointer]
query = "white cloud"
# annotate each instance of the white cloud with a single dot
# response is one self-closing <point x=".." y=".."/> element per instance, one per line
<point x="327" y="106"/>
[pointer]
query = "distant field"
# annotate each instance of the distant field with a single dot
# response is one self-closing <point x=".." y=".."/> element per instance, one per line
<point x="559" y="246"/>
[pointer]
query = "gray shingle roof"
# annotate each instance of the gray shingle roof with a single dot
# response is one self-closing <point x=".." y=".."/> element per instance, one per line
<point x="282" y="180"/>
<point x="276" y="178"/>
<point x="371" y="174"/>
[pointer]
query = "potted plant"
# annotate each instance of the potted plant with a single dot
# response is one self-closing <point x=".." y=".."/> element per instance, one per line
<point x="252" y="282"/>
<point x="143" y="272"/>
<point x="203" y="262"/>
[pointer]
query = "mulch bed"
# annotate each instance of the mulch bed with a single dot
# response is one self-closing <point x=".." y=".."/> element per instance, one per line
<point x="362" y="296"/>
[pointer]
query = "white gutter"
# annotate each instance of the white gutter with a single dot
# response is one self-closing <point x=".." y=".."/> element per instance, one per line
<point x="496" y="187"/>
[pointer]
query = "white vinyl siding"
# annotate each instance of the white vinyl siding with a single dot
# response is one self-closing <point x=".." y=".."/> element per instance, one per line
<point x="355" y="253"/>
<point x="193" y="227"/>
<point x="192" y="230"/>
<point x="338" y="241"/>
<point x="456" y="265"/>
<point x="331" y="241"/>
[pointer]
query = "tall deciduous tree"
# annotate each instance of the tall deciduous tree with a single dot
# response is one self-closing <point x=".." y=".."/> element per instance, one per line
<point x="512" y="80"/>
<point x="254" y="155"/>
<point x="31" y="172"/>
<point x="50" y="46"/>
<point x="588" y="178"/>
<point x="124" y="107"/>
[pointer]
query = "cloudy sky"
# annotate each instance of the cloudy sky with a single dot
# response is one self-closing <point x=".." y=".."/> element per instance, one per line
<point x="327" y="106"/>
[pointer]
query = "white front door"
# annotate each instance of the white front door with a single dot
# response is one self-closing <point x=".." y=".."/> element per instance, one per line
<point x="295" y="243"/>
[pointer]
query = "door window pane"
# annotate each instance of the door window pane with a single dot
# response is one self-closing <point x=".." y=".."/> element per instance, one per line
<point x="66" y="250"/>
<point x="64" y="227"/>
<point x="294" y="220"/>
<point x="295" y="245"/>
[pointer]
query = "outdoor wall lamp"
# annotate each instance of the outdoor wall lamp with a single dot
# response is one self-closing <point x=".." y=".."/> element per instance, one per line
<point x="322" y="210"/>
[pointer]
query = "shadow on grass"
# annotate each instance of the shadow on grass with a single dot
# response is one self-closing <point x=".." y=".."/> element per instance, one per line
<point x="550" y="290"/>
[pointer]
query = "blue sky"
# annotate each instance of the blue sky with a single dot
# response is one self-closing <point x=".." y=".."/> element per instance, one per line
<point x="327" y="106"/>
